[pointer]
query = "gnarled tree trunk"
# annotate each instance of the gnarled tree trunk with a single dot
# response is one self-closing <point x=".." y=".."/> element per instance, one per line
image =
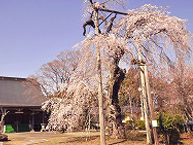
<point x="115" y="119"/>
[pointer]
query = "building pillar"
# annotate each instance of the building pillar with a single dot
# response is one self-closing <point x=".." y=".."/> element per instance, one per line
<point x="32" y="122"/>
<point x="43" y="125"/>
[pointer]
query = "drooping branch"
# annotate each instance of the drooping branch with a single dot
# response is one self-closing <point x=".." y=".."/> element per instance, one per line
<point x="149" y="22"/>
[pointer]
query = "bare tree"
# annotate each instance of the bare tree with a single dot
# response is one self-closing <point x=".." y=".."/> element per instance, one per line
<point x="52" y="74"/>
<point x="182" y="84"/>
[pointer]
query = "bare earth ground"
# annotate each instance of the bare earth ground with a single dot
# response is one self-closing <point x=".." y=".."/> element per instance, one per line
<point x="76" y="138"/>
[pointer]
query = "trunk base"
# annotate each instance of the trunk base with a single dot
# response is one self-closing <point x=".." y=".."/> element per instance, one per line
<point x="117" y="129"/>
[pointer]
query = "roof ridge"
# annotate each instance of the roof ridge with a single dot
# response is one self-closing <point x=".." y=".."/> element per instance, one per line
<point x="12" y="78"/>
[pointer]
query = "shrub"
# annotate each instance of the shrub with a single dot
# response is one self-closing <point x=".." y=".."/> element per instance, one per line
<point x="140" y="124"/>
<point x="179" y="121"/>
<point x="168" y="126"/>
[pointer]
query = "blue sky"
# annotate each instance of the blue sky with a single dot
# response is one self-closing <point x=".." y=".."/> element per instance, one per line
<point x="33" y="32"/>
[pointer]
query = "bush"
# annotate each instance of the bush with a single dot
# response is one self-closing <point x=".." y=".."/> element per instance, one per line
<point x="179" y="121"/>
<point x="140" y="124"/>
<point x="168" y="126"/>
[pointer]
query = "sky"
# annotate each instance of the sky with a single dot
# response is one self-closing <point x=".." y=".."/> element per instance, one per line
<point x="34" y="32"/>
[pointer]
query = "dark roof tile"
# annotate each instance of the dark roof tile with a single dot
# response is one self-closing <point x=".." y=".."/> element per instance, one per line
<point x="20" y="92"/>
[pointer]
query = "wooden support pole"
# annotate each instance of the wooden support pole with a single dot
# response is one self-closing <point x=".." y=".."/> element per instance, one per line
<point x="32" y="121"/>
<point x="142" y="107"/>
<point x="147" y="126"/>
<point x="112" y="11"/>
<point x="151" y="105"/>
<point x="100" y="93"/>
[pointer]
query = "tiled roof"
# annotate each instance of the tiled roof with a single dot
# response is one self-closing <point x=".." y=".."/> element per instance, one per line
<point x="20" y="92"/>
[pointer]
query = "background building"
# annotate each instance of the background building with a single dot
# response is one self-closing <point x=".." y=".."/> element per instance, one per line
<point x="21" y="100"/>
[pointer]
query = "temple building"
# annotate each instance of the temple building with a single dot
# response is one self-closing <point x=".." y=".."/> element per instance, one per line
<point x="20" y="103"/>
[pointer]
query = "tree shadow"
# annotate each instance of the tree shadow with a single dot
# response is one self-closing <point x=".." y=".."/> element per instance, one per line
<point x="80" y="139"/>
<point x="5" y="140"/>
<point x="117" y="142"/>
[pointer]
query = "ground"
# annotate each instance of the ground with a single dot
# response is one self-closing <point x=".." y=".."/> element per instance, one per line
<point x="77" y="138"/>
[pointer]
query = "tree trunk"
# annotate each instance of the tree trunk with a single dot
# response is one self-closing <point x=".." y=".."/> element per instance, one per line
<point x="3" y="114"/>
<point x="117" y="127"/>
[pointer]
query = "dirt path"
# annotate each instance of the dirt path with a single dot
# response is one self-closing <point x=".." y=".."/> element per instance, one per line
<point x="29" y="138"/>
